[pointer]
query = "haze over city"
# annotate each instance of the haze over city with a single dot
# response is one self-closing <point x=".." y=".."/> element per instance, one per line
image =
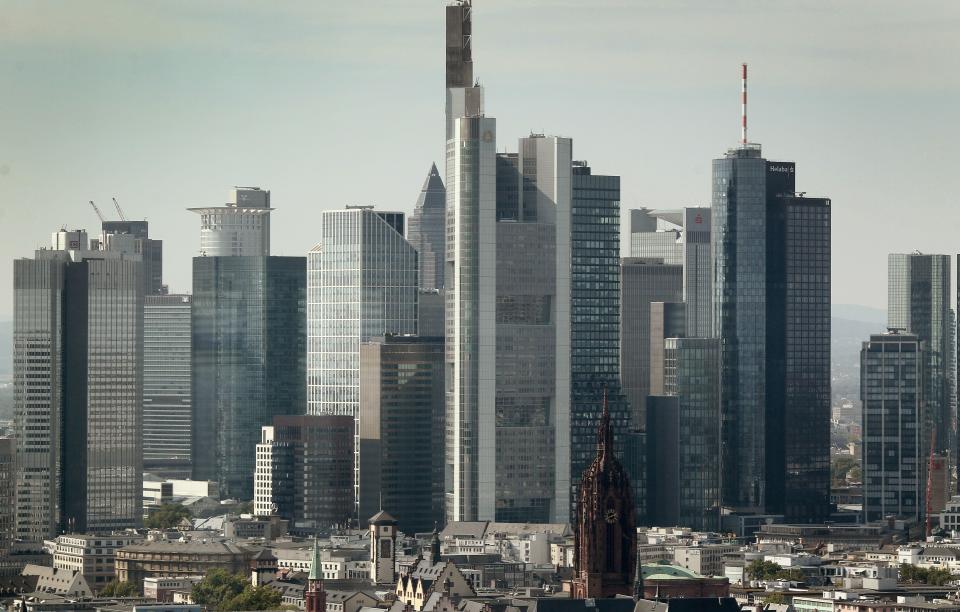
<point x="166" y="105"/>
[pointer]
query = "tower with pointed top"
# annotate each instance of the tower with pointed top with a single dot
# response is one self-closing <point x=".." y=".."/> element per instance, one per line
<point x="383" y="548"/>
<point x="427" y="230"/>
<point x="606" y="531"/>
<point x="315" y="598"/>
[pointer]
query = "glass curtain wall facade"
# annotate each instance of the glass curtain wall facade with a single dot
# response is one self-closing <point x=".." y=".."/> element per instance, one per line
<point x="401" y="430"/>
<point x="427" y="230"/>
<point x="595" y="324"/>
<point x="361" y="285"/>
<point x="918" y="301"/>
<point x="102" y="488"/>
<point x="241" y="228"/>
<point x="38" y="394"/>
<point x="248" y="352"/>
<point x="167" y="408"/>
<point x="806" y="332"/>
<point x="78" y="388"/>
<point x="894" y="452"/>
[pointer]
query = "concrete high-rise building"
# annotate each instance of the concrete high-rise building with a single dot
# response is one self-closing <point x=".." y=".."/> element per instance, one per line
<point x="401" y="422"/>
<point x="532" y="450"/>
<point x="594" y="229"/>
<point x="248" y="350"/>
<point x="428" y="228"/>
<point x="167" y="412"/>
<point x="683" y="434"/>
<point x="918" y="301"/>
<point x="361" y="284"/>
<point x="667" y="320"/>
<point x="78" y="389"/>
<point x="894" y="450"/>
<point x="642" y="282"/>
<point x="304" y="471"/>
<point x="681" y="237"/>
<point x="133" y="238"/>
<point x="469" y="280"/>
<point x="240" y="228"/>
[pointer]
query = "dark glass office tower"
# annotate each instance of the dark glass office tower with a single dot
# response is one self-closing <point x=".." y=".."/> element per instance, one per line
<point x="741" y="196"/>
<point x="918" y="301"/>
<point x="78" y="389"/>
<point x="894" y="457"/>
<point x="595" y="322"/>
<point x="427" y="230"/>
<point x="683" y="434"/>
<point x="800" y="330"/>
<point x="401" y="430"/>
<point x="249" y="352"/>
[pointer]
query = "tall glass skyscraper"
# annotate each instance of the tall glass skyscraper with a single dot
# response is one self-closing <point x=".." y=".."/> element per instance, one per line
<point x="361" y="285"/>
<point x="918" y="301"/>
<point x="771" y="258"/>
<point x="894" y="457"/>
<point x="248" y="354"/>
<point x="78" y="389"/>
<point x="428" y="228"/>
<point x="470" y="281"/>
<point x="595" y="321"/>
<point x="167" y="409"/>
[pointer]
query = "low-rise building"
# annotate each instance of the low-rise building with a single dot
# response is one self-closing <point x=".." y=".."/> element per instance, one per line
<point x="136" y="562"/>
<point x="162" y="588"/>
<point x="705" y="560"/>
<point x="91" y="555"/>
<point x="63" y="582"/>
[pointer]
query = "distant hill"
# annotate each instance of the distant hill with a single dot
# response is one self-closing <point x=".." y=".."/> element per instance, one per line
<point x="863" y="314"/>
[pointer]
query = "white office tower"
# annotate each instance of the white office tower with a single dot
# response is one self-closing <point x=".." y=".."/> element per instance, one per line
<point x="239" y="228"/>
<point x="470" y="280"/>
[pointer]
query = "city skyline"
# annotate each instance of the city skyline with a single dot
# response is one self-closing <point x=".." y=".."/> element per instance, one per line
<point x="159" y="108"/>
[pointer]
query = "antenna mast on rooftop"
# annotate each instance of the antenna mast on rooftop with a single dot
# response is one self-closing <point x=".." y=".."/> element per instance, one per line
<point x="743" y="106"/>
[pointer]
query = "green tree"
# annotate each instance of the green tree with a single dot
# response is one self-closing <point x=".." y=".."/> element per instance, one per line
<point x="840" y="466"/>
<point x="938" y="577"/>
<point x="224" y="592"/>
<point x="775" y="598"/>
<point x="795" y="574"/>
<point x="762" y="570"/>
<point x="166" y="516"/>
<point x="119" y="589"/>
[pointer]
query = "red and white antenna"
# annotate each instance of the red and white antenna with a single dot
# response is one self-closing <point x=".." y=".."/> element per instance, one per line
<point x="743" y="107"/>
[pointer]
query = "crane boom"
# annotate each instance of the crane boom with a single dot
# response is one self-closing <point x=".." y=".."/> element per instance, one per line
<point x="123" y="217"/>
<point x="97" y="210"/>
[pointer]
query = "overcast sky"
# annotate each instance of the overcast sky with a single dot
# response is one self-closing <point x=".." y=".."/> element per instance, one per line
<point x="166" y="105"/>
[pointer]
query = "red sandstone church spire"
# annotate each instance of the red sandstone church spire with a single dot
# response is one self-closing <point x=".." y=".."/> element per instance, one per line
<point x="606" y="528"/>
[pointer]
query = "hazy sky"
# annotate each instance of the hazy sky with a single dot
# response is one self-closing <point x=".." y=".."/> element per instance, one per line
<point x="166" y="105"/>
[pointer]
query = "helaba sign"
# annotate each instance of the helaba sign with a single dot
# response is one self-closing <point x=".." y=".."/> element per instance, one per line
<point x="781" y="168"/>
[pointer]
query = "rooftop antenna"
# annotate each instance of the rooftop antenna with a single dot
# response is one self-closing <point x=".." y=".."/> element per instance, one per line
<point x="743" y="107"/>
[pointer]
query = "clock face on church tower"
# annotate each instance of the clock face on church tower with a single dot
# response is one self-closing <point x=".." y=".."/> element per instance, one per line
<point x="611" y="516"/>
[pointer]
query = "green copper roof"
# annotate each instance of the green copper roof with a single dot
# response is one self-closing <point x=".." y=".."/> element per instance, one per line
<point x="316" y="570"/>
<point x="664" y="571"/>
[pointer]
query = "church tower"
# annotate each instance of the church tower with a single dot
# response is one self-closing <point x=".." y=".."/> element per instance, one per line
<point x="383" y="548"/>
<point x="315" y="598"/>
<point x="606" y="529"/>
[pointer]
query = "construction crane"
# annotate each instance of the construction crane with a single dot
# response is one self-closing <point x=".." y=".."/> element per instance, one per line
<point x="123" y="217"/>
<point x="97" y="210"/>
<point x="933" y="442"/>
